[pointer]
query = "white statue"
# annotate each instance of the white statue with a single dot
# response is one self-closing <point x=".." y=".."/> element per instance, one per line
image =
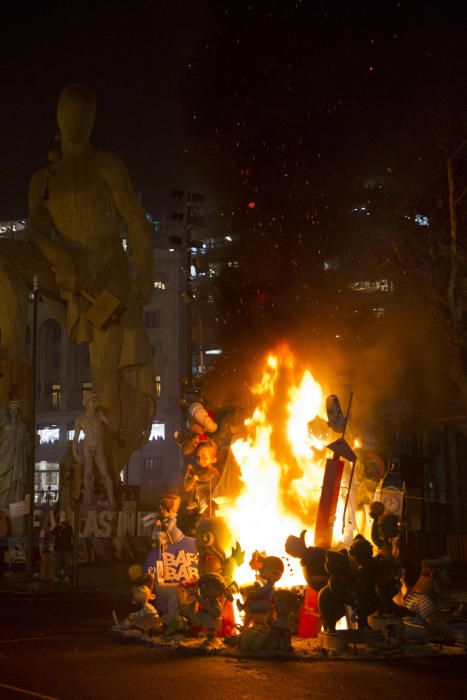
<point x="91" y="423"/>
<point x="15" y="448"/>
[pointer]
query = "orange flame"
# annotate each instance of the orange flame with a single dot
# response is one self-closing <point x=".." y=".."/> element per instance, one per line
<point x="282" y="463"/>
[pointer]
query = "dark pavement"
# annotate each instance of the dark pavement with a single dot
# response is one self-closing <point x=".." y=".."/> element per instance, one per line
<point x="55" y="645"/>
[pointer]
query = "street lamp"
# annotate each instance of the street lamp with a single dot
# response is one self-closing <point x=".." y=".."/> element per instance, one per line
<point x="32" y="465"/>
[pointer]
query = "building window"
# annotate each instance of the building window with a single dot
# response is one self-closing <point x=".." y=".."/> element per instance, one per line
<point x="152" y="319"/>
<point x="159" y="280"/>
<point x="157" y="431"/>
<point x="55" y="395"/>
<point x="153" y="470"/>
<point x="85" y="387"/>
<point x="48" y="434"/>
<point x="158" y="385"/>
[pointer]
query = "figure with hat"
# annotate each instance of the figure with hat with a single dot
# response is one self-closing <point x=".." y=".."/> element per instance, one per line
<point x="92" y="423"/>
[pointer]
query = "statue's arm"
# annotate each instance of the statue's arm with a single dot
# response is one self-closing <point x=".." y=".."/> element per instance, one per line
<point x="115" y="175"/>
<point x="40" y="231"/>
<point x="74" y="447"/>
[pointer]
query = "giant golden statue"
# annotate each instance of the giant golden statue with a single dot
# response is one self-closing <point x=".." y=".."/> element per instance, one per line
<point x="77" y="205"/>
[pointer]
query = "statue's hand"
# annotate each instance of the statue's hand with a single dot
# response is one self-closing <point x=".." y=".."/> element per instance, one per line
<point x="140" y="292"/>
<point x="66" y="275"/>
<point x="295" y="546"/>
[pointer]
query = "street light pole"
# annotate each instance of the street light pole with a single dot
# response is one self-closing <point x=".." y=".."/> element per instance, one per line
<point x="189" y="296"/>
<point x="32" y="465"/>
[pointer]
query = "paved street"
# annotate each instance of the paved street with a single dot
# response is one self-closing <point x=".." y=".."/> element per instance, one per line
<point x="56" y="647"/>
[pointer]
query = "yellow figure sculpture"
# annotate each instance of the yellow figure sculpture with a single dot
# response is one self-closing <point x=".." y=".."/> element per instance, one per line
<point x="77" y="206"/>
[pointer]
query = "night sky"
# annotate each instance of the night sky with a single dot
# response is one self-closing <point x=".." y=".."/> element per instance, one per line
<point x="248" y="101"/>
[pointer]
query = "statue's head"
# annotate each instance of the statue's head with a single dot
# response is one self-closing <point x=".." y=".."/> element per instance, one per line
<point x="76" y="112"/>
<point x="90" y="399"/>
<point x="14" y="408"/>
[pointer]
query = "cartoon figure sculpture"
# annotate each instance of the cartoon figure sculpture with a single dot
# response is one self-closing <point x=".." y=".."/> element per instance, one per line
<point x="424" y="601"/>
<point x="181" y="609"/>
<point x="219" y="554"/>
<point x="337" y="593"/>
<point x="217" y="551"/>
<point x="200" y="424"/>
<point x="266" y="628"/>
<point x="211" y="596"/>
<point x="385" y="534"/>
<point x="258" y="603"/>
<point x="147" y="618"/>
<point x="364" y="586"/>
<point x="286" y="605"/>
<point x="313" y="562"/>
<point x="164" y="521"/>
<point x="173" y="557"/>
<point x="91" y="423"/>
<point x="15" y="447"/>
<point x="200" y="479"/>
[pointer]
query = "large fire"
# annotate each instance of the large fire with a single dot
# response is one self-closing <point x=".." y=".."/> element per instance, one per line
<point x="282" y="460"/>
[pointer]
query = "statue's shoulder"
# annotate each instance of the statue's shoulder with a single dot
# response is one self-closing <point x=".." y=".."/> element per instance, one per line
<point x="107" y="162"/>
<point x="39" y="178"/>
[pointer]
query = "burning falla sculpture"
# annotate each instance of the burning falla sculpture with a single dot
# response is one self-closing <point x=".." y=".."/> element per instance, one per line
<point x="219" y="556"/>
<point x="211" y="595"/>
<point x="358" y="579"/>
<point x="258" y="606"/>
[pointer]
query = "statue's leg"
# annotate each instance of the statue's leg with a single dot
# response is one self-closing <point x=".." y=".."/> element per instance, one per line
<point x="88" y="480"/>
<point x="104" y="356"/>
<point x="104" y="472"/>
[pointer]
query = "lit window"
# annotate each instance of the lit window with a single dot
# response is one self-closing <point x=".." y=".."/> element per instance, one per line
<point x="158" y="385"/>
<point x="159" y="280"/>
<point x="124" y="244"/>
<point x="157" y="431"/>
<point x="379" y="311"/>
<point x="421" y="220"/>
<point x="55" y="395"/>
<point x="48" y="434"/>
<point x="70" y="433"/>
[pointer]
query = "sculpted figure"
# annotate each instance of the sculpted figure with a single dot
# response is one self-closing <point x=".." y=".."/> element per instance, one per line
<point x="91" y="423"/>
<point x="78" y="206"/>
<point x="15" y="447"/>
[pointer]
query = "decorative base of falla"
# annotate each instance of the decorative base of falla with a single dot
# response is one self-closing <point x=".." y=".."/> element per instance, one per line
<point x="392" y="629"/>
<point x="334" y="641"/>
<point x="212" y="643"/>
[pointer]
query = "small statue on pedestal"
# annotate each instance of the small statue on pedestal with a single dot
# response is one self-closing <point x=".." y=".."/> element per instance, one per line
<point x="92" y="423"/>
<point x="15" y="448"/>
